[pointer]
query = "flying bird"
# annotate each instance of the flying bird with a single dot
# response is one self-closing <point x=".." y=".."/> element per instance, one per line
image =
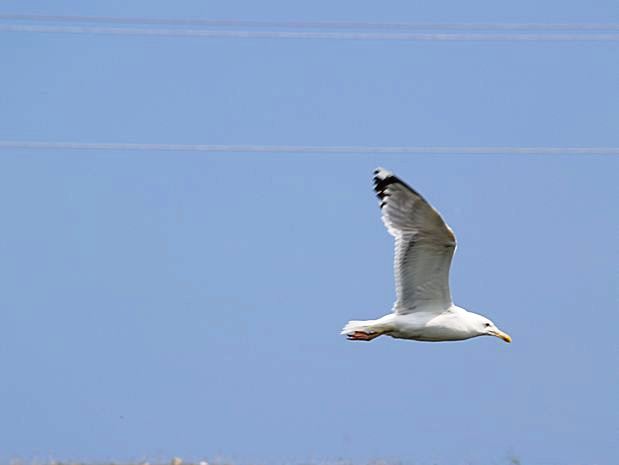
<point x="424" y="247"/>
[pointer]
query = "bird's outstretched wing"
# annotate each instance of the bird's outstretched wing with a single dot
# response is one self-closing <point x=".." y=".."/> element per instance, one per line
<point x="424" y="246"/>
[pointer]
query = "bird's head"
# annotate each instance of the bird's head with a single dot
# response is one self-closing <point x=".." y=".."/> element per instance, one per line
<point x="485" y="327"/>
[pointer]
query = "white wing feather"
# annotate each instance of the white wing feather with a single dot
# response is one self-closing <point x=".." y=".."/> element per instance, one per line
<point x="424" y="246"/>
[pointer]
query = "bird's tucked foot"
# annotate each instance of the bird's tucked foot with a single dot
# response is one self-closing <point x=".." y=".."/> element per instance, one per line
<point x="362" y="336"/>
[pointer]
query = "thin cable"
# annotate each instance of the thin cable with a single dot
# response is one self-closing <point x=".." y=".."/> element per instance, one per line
<point x="315" y="24"/>
<point x="309" y="149"/>
<point x="449" y="37"/>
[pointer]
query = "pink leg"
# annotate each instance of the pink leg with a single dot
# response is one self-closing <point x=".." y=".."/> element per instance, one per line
<point x="362" y="336"/>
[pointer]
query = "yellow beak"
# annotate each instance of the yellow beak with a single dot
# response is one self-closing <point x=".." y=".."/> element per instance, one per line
<point x="506" y="337"/>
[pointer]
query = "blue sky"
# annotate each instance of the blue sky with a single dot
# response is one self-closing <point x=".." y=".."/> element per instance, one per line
<point x="160" y="304"/>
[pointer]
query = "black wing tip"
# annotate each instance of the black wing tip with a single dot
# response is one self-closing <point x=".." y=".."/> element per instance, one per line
<point x="383" y="179"/>
<point x="382" y="173"/>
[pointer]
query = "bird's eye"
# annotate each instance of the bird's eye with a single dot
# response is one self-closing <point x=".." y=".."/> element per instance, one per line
<point x="487" y="325"/>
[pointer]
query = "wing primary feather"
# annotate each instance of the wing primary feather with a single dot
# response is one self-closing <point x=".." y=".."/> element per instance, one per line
<point x="383" y="179"/>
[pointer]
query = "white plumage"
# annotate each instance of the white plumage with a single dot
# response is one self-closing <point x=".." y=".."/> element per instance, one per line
<point x="424" y="247"/>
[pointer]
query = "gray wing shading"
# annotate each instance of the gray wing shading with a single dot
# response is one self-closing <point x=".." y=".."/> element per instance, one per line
<point x="424" y="246"/>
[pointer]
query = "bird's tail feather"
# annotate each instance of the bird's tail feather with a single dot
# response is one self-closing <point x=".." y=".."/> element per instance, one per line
<point x="359" y="325"/>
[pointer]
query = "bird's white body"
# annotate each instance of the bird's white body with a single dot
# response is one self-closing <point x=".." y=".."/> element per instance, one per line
<point x="424" y="247"/>
<point x="452" y="324"/>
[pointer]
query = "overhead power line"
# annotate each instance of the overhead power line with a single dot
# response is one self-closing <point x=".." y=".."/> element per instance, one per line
<point x="373" y="25"/>
<point x="404" y="36"/>
<point x="310" y="149"/>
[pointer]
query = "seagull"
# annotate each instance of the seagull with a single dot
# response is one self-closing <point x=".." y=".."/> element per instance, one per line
<point x="424" y="247"/>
